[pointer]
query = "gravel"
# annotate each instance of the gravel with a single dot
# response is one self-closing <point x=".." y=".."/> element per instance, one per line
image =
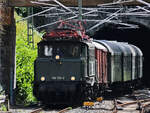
<point x="106" y="106"/>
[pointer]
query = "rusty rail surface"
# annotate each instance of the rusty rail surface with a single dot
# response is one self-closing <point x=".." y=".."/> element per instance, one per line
<point x="64" y="110"/>
<point x="144" y="107"/>
<point x="37" y="110"/>
<point x="118" y="105"/>
<point x="134" y="102"/>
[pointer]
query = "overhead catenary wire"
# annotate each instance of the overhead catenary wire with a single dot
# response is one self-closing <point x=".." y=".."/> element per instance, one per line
<point x="105" y="20"/>
<point x="36" y="14"/>
<point x="103" y="11"/>
<point x="143" y="9"/>
<point x="46" y="4"/>
<point x="116" y="3"/>
<point x="143" y="2"/>
<point x="64" y="20"/>
<point x="54" y="6"/>
<point x="56" y="1"/>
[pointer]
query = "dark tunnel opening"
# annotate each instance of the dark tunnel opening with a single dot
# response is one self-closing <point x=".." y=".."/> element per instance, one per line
<point x="138" y="37"/>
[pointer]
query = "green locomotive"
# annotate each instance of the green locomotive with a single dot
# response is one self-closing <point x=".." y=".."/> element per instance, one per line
<point x="71" y="67"/>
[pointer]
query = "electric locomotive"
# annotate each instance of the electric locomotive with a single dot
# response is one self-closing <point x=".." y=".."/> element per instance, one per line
<point x="71" y="67"/>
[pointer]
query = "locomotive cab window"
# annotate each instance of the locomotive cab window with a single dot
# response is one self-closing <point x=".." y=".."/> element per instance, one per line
<point x="48" y="50"/>
<point x="63" y="50"/>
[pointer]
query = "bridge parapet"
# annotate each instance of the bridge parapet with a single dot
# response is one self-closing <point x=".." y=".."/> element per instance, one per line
<point x="85" y="3"/>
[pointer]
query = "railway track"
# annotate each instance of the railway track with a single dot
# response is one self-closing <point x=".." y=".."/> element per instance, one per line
<point x="65" y="110"/>
<point x="42" y="109"/>
<point x="137" y="102"/>
<point x="138" y="105"/>
<point x="37" y="110"/>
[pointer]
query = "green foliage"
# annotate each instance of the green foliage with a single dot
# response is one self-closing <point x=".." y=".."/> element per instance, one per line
<point x="22" y="11"/>
<point x="3" y="107"/>
<point x="25" y="56"/>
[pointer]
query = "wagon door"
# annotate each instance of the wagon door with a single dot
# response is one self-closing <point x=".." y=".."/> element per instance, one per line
<point x="99" y="66"/>
<point x="104" y="66"/>
<point x="101" y="57"/>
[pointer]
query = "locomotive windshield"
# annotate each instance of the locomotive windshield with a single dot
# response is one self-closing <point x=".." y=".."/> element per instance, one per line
<point x="63" y="50"/>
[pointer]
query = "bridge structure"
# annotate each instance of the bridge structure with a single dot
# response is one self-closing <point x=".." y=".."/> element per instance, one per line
<point x="93" y="15"/>
<point x="85" y="3"/>
<point x="94" y="12"/>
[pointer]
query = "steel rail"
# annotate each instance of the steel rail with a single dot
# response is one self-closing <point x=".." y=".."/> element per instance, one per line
<point x="141" y="106"/>
<point x="64" y="110"/>
<point x="37" y="110"/>
<point x="134" y="102"/>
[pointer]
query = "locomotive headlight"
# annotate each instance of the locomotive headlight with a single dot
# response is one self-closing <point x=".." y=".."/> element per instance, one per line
<point x="42" y="78"/>
<point x="73" y="78"/>
<point x="57" y="57"/>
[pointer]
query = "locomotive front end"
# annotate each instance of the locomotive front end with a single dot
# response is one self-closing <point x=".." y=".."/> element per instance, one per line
<point x="59" y="71"/>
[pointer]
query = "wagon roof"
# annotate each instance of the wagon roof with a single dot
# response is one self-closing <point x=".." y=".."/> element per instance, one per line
<point x="118" y="48"/>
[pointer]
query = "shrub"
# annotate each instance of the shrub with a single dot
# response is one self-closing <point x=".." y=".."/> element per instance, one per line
<point x="25" y="56"/>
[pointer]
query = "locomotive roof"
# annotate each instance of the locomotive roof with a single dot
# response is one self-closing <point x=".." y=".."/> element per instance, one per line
<point x="65" y="34"/>
<point x="59" y="41"/>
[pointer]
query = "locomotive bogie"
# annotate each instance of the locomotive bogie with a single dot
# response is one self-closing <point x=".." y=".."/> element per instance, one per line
<point x="59" y="92"/>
